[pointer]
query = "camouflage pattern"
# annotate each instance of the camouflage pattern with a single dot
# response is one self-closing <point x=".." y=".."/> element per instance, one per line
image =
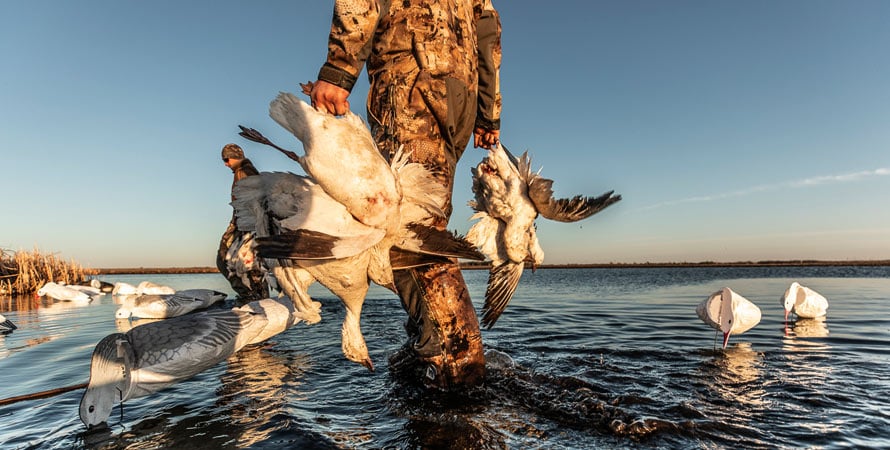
<point x="433" y="70"/>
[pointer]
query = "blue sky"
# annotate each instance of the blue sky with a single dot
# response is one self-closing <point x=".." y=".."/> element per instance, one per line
<point x="734" y="131"/>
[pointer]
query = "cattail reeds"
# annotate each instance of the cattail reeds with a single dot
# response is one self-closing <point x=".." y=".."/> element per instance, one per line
<point x="25" y="272"/>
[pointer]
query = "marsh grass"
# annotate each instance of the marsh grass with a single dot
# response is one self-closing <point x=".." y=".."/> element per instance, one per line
<point x="24" y="272"/>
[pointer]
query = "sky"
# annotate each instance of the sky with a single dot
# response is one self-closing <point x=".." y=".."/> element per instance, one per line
<point x="734" y="131"/>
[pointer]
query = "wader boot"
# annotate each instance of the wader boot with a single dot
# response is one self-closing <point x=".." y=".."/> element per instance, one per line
<point x="444" y="338"/>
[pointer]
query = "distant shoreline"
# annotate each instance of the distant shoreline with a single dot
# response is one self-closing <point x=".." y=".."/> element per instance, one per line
<point x="477" y="266"/>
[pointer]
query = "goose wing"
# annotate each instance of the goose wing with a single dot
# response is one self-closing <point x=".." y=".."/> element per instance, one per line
<point x="502" y="282"/>
<point x="172" y="350"/>
<point x="295" y="218"/>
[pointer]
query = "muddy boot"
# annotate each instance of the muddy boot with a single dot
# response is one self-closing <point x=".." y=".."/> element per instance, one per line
<point x="443" y="330"/>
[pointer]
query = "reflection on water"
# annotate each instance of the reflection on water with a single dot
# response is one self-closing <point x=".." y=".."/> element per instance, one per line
<point x="601" y="359"/>
<point x="737" y="375"/>
<point x="808" y="328"/>
<point x="257" y="385"/>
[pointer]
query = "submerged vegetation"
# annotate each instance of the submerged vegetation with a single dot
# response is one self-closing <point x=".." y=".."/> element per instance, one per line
<point x="25" y="272"/>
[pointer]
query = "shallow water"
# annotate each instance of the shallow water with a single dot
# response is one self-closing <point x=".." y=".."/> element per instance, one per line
<point x="602" y="358"/>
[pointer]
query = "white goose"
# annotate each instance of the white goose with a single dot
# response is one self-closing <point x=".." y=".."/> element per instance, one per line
<point x="341" y="238"/>
<point x="729" y="312"/>
<point x="508" y="199"/>
<point x="803" y="301"/>
<point x="182" y="302"/>
<point x="150" y="357"/>
<point x="143" y="288"/>
<point x="6" y="325"/>
<point x="63" y="292"/>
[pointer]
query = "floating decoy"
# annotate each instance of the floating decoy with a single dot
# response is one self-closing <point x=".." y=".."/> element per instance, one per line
<point x="148" y="306"/>
<point x="150" y="357"/>
<point x="728" y="312"/>
<point x="508" y="199"/>
<point x="804" y="302"/>
<point x="63" y="292"/>
<point x="145" y="287"/>
<point x="6" y="325"/>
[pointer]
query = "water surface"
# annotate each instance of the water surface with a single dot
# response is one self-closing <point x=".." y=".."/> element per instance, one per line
<point x="601" y="358"/>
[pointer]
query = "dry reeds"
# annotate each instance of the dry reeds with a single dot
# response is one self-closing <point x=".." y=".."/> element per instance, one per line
<point x="25" y="272"/>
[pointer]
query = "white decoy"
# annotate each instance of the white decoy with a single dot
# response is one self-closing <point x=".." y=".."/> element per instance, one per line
<point x="89" y="290"/>
<point x="6" y="325"/>
<point x="150" y="357"/>
<point x="63" y="292"/>
<point x="728" y="312"/>
<point x="508" y="199"/>
<point x="803" y="301"/>
<point x="143" y="288"/>
<point x="98" y="284"/>
<point x="121" y="288"/>
<point x="343" y="237"/>
<point x="280" y="315"/>
<point x="148" y="306"/>
<point x="149" y="288"/>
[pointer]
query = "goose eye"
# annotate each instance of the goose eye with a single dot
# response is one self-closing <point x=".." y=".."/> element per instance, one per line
<point x="92" y="408"/>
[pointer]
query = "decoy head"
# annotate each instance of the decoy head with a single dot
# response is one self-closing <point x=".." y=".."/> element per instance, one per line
<point x="790" y="298"/>
<point x="726" y="314"/>
<point x="109" y="379"/>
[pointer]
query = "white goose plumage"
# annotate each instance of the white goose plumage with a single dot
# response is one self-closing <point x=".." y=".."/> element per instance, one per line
<point x="143" y="288"/>
<point x="338" y="226"/>
<point x="148" y="306"/>
<point x="508" y="199"/>
<point x="63" y="292"/>
<point x="728" y="312"/>
<point x="804" y="302"/>
<point x="150" y="357"/>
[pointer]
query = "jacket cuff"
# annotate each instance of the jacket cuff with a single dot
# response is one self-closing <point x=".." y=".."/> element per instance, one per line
<point x="337" y="76"/>
<point x="486" y="124"/>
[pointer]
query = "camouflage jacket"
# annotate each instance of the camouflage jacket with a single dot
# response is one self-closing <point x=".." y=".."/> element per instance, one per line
<point x="438" y="40"/>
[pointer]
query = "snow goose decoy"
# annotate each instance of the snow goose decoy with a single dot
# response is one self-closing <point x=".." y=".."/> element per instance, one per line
<point x="338" y="225"/>
<point x="804" y="302"/>
<point x="508" y="199"/>
<point x="728" y="312"/>
<point x="150" y="357"/>
<point x="182" y="302"/>
<point x="6" y="325"/>
<point x="63" y="292"/>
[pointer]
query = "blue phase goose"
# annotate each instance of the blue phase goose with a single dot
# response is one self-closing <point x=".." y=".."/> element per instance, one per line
<point x="182" y="302"/>
<point x="150" y="357"/>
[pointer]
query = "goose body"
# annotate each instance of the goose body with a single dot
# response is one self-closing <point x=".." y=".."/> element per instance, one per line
<point x="6" y="325"/>
<point x="338" y="225"/>
<point x="63" y="292"/>
<point x="143" y="288"/>
<point x="508" y="199"/>
<point x="150" y="357"/>
<point x="342" y="157"/>
<point x="804" y="302"/>
<point x="148" y="306"/>
<point x="728" y="312"/>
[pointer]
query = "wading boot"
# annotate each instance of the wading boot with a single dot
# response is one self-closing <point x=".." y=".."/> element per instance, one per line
<point x="442" y="327"/>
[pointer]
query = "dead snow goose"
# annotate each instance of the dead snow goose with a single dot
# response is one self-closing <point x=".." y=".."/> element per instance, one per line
<point x="508" y="199"/>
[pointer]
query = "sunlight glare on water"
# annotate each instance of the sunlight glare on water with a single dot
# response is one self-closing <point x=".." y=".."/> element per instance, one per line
<point x="581" y="358"/>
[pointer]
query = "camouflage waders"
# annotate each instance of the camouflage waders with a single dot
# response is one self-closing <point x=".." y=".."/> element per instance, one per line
<point x="433" y="68"/>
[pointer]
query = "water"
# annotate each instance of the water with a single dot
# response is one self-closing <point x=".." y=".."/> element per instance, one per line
<point x="604" y="358"/>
